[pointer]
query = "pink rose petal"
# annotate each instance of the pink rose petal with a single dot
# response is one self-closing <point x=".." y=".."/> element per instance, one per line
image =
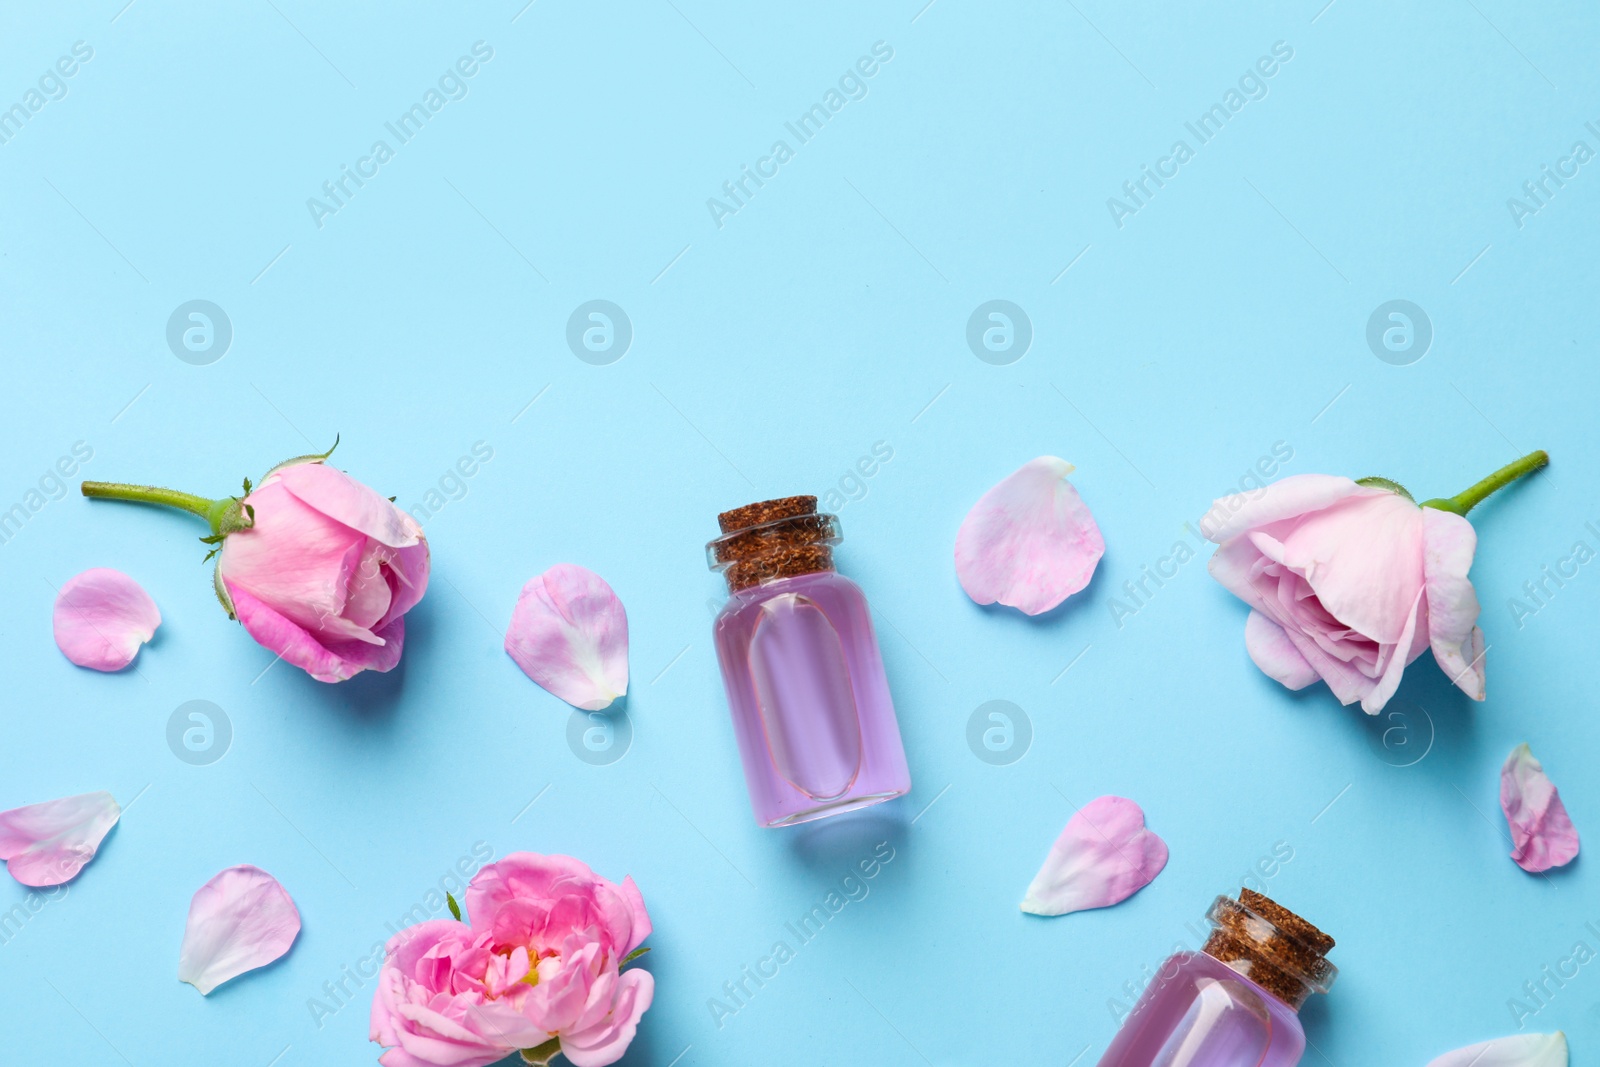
<point x="343" y="499"/>
<point x="325" y="660"/>
<point x="1542" y="834"/>
<point x="569" y="633"/>
<point x="1522" y="1050"/>
<point x="1030" y="542"/>
<point x="1285" y="499"/>
<point x="1276" y="655"/>
<point x="102" y="617"/>
<point x="606" y="1041"/>
<point x="1448" y="543"/>
<point x="240" y="920"/>
<point x="47" y="844"/>
<point x="1103" y="857"/>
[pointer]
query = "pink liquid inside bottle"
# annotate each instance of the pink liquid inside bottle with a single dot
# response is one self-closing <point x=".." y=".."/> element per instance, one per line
<point x="1236" y="1003"/>
<point x="810" y="703"/>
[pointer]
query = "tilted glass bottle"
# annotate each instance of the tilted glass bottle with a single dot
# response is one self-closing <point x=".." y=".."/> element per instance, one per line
<point x="1236" y="1002"/>
<point x="805" y="682"/>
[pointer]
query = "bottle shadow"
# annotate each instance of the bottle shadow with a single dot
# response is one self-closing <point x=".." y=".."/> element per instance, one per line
<point x="839" y="842"/>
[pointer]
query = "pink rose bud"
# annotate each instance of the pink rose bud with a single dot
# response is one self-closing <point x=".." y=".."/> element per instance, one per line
<point x="1349" y="582"/>
<point x="317" y="567"/>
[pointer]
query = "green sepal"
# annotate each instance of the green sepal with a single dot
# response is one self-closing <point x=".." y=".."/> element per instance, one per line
<point x="221" y="590"/>
<point x="630" y="957"/>
<point x="1374" y="482"/>
<point x="314" y="457"/>
<point x="544" y="1053"/>
<point x="455" y="909"/>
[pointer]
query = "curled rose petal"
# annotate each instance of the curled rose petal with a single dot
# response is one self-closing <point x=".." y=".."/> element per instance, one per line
<point x="1272" y="651"/>
<point x="606" y="1041"/>
<point x="343" y="499"/>
<point x="102" y="617"/>
<point x="47" y="844"/>
<point x="569" y="633"/>
<point x="1542" y="834"/>
<point x="324" y="659"/>
<point x="1030" y="542"/>
<point x="1448" y="543"/>
<point x="240" y="920"/>
<point x="1521" y="1050"/>
<point x="1103" y="857"/>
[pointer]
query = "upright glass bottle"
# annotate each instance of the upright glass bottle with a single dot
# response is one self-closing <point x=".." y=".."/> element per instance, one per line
<point x="1235" y="1003"/>
<point x="811" y="708"/>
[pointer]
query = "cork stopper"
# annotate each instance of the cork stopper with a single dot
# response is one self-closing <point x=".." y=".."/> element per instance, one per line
<point x="1271" y="946"/>
<point x="773" y="539"/>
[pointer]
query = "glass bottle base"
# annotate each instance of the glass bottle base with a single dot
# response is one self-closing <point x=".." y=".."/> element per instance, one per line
<point x="834" y="807"/>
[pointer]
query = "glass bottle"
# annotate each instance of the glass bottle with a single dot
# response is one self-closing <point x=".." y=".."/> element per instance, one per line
<point x="800" y="663"/>
<point x="1236" y="1002"/>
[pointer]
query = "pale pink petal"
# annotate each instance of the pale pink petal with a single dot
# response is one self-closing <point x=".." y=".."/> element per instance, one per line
<point x="1363" y="559"/>
<point x="408" y="573"/>
<point x="569" y="633"/>
<point x="639" y="919"/>
<point x="1406" y="649"/>
<point x="525" y="875"/>
<point x="240" y="920"/>
<point x="102" y="617"/>
<point x="1275" y="654"/>
<point x="49" y="843"/>
<point x="342" y="498"/>
<point x="1104" y="856"/>
<point x="1287" y="498"/>
<point x="1029" y="542"/>
<point x="1542" y="834"/>
<point x="1448" y="542"/>
<point x="1521" y="1050"/>
<point x="606" y="1041"/>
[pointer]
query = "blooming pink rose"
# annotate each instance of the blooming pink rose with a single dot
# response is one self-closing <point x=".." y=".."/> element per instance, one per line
<point x="1349" y="583"/>
<point x="538" y="968"/>
<point x="326" y="572"/>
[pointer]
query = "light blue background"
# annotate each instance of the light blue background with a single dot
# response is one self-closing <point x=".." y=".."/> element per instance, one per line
<point x="769" y="354"/>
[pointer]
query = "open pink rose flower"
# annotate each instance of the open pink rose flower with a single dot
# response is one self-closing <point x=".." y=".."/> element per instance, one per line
<point x="538" y="969"/>
<point x="1349" y="582"/>
<point x="317" y="567"/>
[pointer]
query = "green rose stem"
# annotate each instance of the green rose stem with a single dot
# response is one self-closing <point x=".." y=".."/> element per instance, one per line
<point x="213" y="511"/>
<point x="1474" y="495"/>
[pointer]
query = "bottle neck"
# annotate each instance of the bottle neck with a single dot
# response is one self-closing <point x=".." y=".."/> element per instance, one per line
<point x="1271" y="946"/>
